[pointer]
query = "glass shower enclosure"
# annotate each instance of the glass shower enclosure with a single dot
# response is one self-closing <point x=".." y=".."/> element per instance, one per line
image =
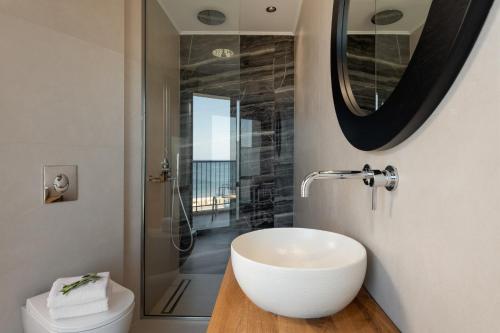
<point x="218" y="152"/>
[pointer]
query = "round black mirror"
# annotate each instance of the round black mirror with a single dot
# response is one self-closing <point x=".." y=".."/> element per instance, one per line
<point x="393" y="62"/>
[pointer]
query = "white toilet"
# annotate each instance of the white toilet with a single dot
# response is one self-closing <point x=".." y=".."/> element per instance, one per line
<point x="117" y="319"/>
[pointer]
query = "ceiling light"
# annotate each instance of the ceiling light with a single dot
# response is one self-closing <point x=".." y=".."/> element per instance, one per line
<point x="223" y="53"/>
<point x="386" y="17"/>
<point x="271" y="9"/>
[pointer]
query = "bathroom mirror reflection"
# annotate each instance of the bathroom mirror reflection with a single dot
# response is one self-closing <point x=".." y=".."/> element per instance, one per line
<point x="381" y="37"/>
<point x="393" y="61"/>
<point x="219" y="103"/>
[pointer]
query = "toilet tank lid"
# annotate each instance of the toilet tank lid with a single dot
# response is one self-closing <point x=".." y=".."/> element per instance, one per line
<point x="121" y="301"/>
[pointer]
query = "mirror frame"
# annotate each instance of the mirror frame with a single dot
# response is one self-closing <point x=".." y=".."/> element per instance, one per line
<point x="448" y="36"/>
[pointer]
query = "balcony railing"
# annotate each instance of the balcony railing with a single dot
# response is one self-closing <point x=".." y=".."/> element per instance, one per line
<point x="214" y="185"/>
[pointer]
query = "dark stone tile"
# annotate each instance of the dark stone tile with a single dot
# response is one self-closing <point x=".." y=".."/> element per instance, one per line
<point x="261" y="77"/>
<point x="376" y="64"/>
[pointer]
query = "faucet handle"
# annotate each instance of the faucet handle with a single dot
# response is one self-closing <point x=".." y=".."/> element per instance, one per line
<point x="387" y="178"/>
<point x="374" y="198"/>
<point x="392" y="177"/>
<point x="368" y="175"/>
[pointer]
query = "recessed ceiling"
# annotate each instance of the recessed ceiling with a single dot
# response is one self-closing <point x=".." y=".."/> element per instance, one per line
<point x="245" y="17"/>
<point x="414" y="15"/>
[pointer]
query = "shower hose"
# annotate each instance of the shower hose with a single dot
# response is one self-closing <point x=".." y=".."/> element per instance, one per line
<point x="175" y="188"/>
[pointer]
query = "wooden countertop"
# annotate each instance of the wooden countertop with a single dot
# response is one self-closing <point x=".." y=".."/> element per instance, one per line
<point x="235" y="313"/>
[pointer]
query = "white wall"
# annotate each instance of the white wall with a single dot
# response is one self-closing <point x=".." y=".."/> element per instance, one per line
<point x="61" y="102"/>
<point x="434" y="244"/>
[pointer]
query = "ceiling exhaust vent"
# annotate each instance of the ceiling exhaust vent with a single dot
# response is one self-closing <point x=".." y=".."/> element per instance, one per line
<point x="387" y="17"/>
<point x="211" y="17"/>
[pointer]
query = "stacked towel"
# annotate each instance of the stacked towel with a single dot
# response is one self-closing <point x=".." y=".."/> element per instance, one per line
<point x="85" y="300"/>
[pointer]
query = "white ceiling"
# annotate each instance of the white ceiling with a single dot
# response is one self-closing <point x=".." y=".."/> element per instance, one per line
<point x="361" y="11"/>
<point x="242" y="16"/>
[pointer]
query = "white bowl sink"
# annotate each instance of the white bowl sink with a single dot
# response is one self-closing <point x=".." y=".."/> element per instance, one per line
<point x="299" y="273"/>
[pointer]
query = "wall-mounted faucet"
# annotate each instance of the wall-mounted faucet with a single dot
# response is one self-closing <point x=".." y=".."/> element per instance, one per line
<point x="387" y="178"/>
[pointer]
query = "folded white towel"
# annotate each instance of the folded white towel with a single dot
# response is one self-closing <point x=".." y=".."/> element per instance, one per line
<point x="72" y="311"/>
<point x="91" y="292"/>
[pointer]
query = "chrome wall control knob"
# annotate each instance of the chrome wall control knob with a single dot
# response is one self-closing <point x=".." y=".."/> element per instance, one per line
<point x="61" y="183"/>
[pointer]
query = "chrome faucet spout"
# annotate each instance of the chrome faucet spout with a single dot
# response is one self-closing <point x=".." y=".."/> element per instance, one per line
<point x="346" y="174"/>
<point x="387" y="178"/>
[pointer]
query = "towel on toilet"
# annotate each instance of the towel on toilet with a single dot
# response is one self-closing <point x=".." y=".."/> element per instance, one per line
<point x="72" y="311"/>
<point x="89" y="293"/>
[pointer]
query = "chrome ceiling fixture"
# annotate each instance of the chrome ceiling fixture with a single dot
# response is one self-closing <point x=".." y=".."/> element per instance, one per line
<point x="386" y="17"/>
<point x="271" y="9"/>
<point x="211" y="17"/>
<point x="223" y="53"/>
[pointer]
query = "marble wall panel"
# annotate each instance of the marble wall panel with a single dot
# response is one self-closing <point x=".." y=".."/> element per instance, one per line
<point x="261" y="77"/>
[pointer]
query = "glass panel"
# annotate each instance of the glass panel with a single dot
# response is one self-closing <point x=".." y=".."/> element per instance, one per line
<point x="219" y="149"/>
<point x="398" y="30"/>
<point x="212" y="155"/>
<point x="191" y="142"/>
<point x="361" y="55"/>
<point x="209" y="107"/>
<point x="162" y="125"/>
<point x="382" y="36"/>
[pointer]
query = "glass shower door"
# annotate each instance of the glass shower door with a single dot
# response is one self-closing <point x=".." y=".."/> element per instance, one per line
<point x="191" y="171"/>
<point x="162" y="127"/>
<point x="218" y="151"/>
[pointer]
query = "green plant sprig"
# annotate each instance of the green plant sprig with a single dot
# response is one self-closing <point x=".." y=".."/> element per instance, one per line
<point x="86" y="279"/>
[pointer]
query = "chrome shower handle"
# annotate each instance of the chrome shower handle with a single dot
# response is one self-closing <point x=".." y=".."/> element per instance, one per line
<point x="387" y="178"/>
<point x="153" y="179"/>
